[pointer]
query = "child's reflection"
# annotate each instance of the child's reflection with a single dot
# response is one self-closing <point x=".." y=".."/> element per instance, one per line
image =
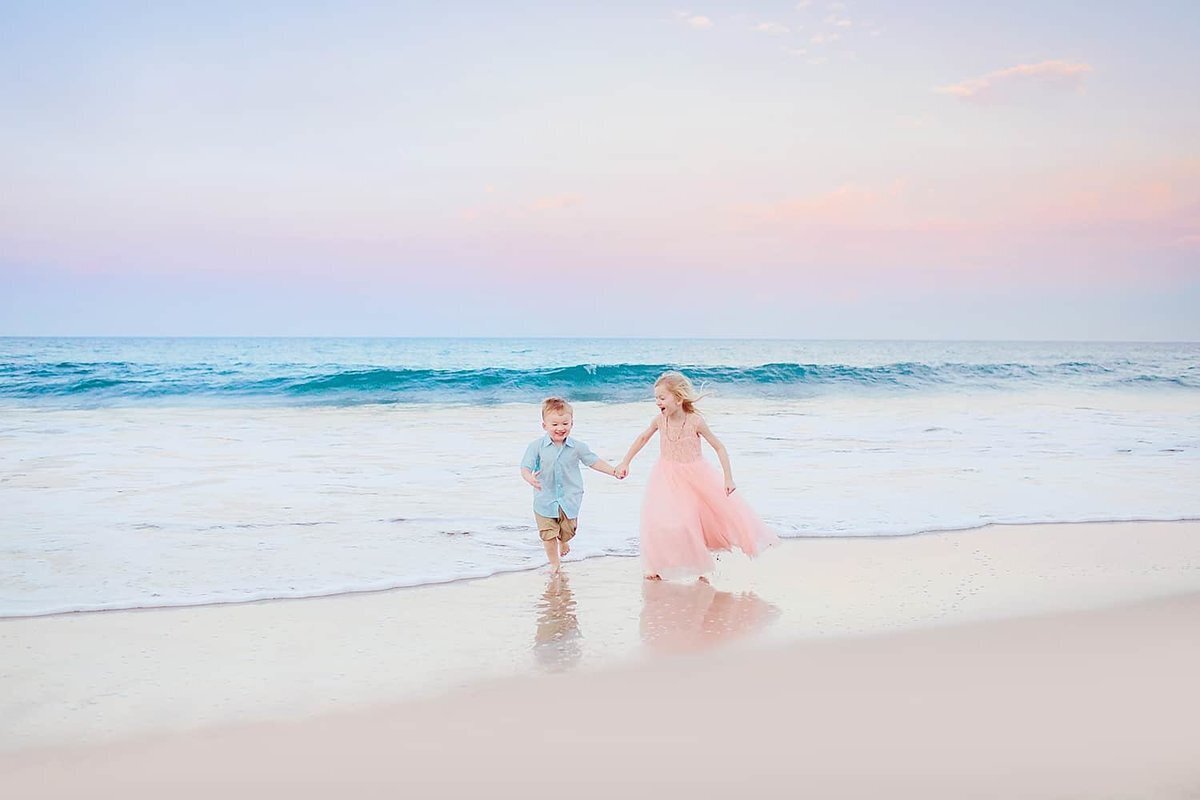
<point x="557" y="644"/>
<point x="678" y="617"/>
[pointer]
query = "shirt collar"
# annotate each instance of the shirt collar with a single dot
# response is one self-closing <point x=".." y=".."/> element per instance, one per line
<point x="568" y="442"/>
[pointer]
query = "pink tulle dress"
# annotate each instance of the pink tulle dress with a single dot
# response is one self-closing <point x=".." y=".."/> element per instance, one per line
<point x="686" y="514"/>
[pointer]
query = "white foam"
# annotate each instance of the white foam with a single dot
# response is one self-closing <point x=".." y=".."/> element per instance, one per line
<point x="140" y="507"/>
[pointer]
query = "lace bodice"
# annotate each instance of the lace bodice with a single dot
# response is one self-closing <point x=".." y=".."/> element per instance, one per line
<point x="679" y="443"/>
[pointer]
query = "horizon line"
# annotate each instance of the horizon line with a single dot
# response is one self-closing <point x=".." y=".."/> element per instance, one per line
<point x="599" y="338"/>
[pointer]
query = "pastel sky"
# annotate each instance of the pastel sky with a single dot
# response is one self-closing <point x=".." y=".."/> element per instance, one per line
<point x="1015" y="170"/>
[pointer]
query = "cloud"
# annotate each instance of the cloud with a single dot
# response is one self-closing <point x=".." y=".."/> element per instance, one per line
<point x="1057" y="71"/>
<point x="694" y="21"/>
<point x="556" y="202"/>
<point x="846" y="205"/>
<point x="824" y="38"/>
<point x="1132" y="202"/>
<point x="507" y="210"/>
<point x="838" y="22"/>
<point x="803" y="4"/>
<point x="796" y="51"/>
<point x="772" y="28"/>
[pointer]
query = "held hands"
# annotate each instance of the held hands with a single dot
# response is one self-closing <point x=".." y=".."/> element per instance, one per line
<point x="620" y="471"/>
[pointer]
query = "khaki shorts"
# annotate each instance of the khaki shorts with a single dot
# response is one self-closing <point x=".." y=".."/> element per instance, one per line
<point x="562" y="528"/>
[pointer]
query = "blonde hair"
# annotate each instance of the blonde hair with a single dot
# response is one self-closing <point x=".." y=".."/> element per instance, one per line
<point x="556" y="405"/>
<point x="679" y="385"/>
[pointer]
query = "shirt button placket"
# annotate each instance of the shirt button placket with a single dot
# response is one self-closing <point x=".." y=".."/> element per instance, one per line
<point x="557" y="485"/>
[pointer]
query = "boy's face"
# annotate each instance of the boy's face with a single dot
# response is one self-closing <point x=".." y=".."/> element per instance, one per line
<point x="558" y="425"/>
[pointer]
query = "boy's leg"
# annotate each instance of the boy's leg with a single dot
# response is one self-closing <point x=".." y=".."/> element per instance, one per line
<point x="566" y="531"/>
<point x="549" y="530"/>
<point x="552" y="554"/>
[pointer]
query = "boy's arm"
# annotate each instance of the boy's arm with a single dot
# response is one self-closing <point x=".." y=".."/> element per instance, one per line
<point x="530" y="467"/>
<point x="600" y="465"/>
<point x="530" y="477"/>
<point x="594" y="461"/>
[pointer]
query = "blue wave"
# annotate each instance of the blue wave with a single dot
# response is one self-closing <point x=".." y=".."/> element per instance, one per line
<point x="122" y="381"/>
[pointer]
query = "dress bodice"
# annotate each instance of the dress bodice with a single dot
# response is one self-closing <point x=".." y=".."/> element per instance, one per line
<point x="679" y="442"/>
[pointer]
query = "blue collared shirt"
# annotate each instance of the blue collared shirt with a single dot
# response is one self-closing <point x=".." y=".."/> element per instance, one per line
<point x="558" y="472"/>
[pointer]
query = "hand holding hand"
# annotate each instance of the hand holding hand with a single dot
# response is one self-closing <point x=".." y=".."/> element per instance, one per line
<point x="621" y="471"/>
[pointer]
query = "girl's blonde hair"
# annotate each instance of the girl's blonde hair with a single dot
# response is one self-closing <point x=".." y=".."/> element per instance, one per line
<point x="679" y="385"/>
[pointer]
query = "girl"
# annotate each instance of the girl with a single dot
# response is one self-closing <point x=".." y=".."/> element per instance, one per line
<point x="688" y="511"/>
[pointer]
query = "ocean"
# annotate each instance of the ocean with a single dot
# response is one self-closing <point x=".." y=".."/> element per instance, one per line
<point x="160" y="472"/>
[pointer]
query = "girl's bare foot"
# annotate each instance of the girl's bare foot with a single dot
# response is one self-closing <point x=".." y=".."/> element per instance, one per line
<point x="654" y="577"/>
<point x="703" y="579"/>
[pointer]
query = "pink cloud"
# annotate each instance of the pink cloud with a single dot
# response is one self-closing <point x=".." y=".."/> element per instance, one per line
<point x="1104" y="224"/>
<point x="771" y="27"/>
<point x="1160" y="198"/>
<point x="1056" y="71"/>
<point x="510" y="210"/>
<point x="556" y="202"/>
<point x="848" y="204"/>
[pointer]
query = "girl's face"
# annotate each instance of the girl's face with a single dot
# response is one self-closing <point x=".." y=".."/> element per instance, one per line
<point x="666" y="400"/>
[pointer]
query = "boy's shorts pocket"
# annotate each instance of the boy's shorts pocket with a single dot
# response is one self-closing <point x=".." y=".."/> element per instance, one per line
<point x="562" y="528"/>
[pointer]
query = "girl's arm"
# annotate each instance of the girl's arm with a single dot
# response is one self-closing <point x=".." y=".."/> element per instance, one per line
<point x="722" y="454"/>
<point x="638" y="444"/>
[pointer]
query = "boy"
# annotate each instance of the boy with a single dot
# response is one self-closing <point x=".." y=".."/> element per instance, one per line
<point x="551" y="467"/>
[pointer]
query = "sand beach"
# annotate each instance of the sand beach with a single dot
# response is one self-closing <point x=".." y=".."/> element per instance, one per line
<point x="1007" y="661"/>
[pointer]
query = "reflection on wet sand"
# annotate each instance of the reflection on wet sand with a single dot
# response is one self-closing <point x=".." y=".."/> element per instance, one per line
<point x="557" y="644"/>
<point x="679" y="617"/>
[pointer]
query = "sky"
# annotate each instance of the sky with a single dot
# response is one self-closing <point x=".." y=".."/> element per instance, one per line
<point x="925" y="170"/>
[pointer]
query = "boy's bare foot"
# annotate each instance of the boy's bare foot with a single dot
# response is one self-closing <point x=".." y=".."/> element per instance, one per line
<point x="564" y="548"/>
<point x="703" y="579"/>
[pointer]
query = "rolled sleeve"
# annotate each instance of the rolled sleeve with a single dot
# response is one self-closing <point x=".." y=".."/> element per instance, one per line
<point x="530" y="461"/>
<point x="586" y="455"/>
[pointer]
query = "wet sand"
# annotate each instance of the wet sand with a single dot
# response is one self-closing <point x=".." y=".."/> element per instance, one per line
<point x="1006" y="661"/>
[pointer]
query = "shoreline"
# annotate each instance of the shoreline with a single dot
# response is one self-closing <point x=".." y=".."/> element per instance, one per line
<point x="585" y="559"/>
<point x="95" y="678"/>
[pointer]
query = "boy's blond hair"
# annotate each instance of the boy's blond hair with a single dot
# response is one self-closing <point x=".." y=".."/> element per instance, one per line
<point x="556" y="405"/>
